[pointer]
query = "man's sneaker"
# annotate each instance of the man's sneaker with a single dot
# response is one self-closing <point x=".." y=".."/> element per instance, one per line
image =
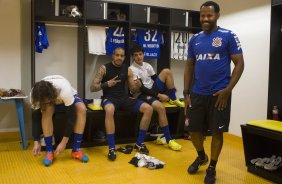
<point x="141" y="148"/>
<point x="210" y="176"/>
<point x="177" y="102"/>
<point x="112" y="154"/>
<point x="174" y="145"/>
<point x="156" y="131"/>
<point x="80" y="156"/>
<point x="194" y="167"/>
<point x="160" y="140"/>
<point x="48" y="158"/>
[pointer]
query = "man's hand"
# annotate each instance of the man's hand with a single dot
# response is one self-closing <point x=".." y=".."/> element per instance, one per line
<point x="36" y="151"/>
<point x="163" y="97"/>
<point x="61" y="147"/>
<point x="113" y="81"/>
<point x="137" y="83"/>
<point x="187" y="102"/>
<point x="222" y="97"/>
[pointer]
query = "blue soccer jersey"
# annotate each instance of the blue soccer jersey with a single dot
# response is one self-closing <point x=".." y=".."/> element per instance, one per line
<point x="151" y="41"/>
<point x="211" y="53"/>
<point x="41" y="39"/>
<point x="115" y="39"/>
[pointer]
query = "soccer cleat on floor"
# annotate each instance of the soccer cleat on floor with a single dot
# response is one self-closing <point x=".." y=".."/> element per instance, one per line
<point x="160" y="140"/>
<point x="194" y="167"/>
<point x="177" y="102"/>
<point x="210" y="176"/>
<point x="172" y="144"/>
<point x="48" y="158"/>
<point x="141" y="148"/>
<point x="156" y="131"/>
<point x="112" y="154"/>
<point x="79" y="155"/>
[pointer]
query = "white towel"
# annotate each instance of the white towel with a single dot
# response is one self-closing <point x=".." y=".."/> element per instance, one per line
<point x="97" y="40"/>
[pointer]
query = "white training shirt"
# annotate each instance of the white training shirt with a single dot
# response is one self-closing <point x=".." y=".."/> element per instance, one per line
<point x="144" y="73"/>
<point x="64" y="89"/>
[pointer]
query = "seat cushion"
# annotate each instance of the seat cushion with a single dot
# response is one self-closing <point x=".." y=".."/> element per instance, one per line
<point x="267" y="124"/>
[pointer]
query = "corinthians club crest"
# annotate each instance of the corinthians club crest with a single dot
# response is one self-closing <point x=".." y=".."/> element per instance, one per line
<point x="216" y="42"/>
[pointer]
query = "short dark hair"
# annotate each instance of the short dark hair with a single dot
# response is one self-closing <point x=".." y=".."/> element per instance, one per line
<point x="42" y="90"/>
<point x="117" y="48"/>
<point x="212" y="3"/>
<point x="136" y="48"/>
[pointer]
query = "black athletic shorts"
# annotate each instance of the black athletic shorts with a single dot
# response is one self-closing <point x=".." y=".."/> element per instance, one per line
<point x="123" y="103"/>
<point x="204" y="117"/>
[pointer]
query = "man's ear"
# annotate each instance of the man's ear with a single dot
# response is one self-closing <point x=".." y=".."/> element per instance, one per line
<point x="218" y="15"/>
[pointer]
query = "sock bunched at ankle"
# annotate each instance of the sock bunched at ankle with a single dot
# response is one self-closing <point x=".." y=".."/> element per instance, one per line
<point x="111" y="141"/>
<point x="166" y="132"/>
<point x="202" y="154"/>
<point x="48" y="142"/>
<point x="171" y="93"/>
<point x="141" y="136"/>
<point x="77" y="142"/>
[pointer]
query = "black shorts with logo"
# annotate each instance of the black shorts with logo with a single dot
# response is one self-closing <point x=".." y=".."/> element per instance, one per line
<point x="204" y="117"/>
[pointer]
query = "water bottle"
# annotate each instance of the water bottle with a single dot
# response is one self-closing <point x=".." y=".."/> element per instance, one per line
<point x="275" y="113"/>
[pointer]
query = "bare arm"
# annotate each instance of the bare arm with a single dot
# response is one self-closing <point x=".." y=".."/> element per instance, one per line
<point x="96" y="83"/>
<point x="188" y="76"/>
<point x="134" y="86"/>
<point x="238" y="61"/>
<point x="223" y="94"/>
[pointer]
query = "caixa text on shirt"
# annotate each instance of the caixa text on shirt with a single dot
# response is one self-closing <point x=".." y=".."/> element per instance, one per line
<point x="207" y="57"/>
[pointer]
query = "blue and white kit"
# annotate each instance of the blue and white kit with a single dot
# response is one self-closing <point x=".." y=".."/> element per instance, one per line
<point x="151" y="41"/>
<point x="211" y="53"/>
<point x="115" y="39"/>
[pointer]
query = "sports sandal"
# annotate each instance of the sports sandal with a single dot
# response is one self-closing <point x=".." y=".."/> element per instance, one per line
<point x="274" y="164"/>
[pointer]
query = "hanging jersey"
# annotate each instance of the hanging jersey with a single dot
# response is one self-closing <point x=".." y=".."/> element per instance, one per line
<point x="41" y="39"/>
<point x="151" y="41"/>
<point x="179" y="45"/>
<point x="115" y="39"/>
<point x="211" y="53"/>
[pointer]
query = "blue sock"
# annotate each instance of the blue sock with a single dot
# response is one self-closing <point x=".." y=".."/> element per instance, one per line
<point x="166" y="132"/>
<point x="171" y="93"/>
<point x="111" y="141"/>
<point x="48" y="142"/>
<point x="141" y="136"/>
<point x="77" y="142"/>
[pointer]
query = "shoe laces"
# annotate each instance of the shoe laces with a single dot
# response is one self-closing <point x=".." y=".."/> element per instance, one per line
<point x="198" y="162"/>
<point x="112" y="151"/>
<point x="78" y="154"/>
<point x="49" y="155"/>
<point x="210" y="171"/>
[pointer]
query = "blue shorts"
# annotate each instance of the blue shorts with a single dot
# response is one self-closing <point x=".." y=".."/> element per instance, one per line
<point x="61" y="107"/>
<point x="124" y="103"/>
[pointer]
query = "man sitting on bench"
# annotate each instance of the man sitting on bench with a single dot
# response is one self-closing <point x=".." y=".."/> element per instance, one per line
<point x="112" y="78"/>
<point x="152" y="88"/>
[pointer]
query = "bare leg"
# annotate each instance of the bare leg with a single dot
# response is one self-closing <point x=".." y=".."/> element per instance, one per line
<point x="47" y="121"/>
<point x="216" y="146"/>
<point x="167" y="77"/>
<point x="159" y="107"/>
<point x="109" y="119"/>
<point x="197" y="140"/>
<point x="147" y="111"/>
<point x="80" y="118"/>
